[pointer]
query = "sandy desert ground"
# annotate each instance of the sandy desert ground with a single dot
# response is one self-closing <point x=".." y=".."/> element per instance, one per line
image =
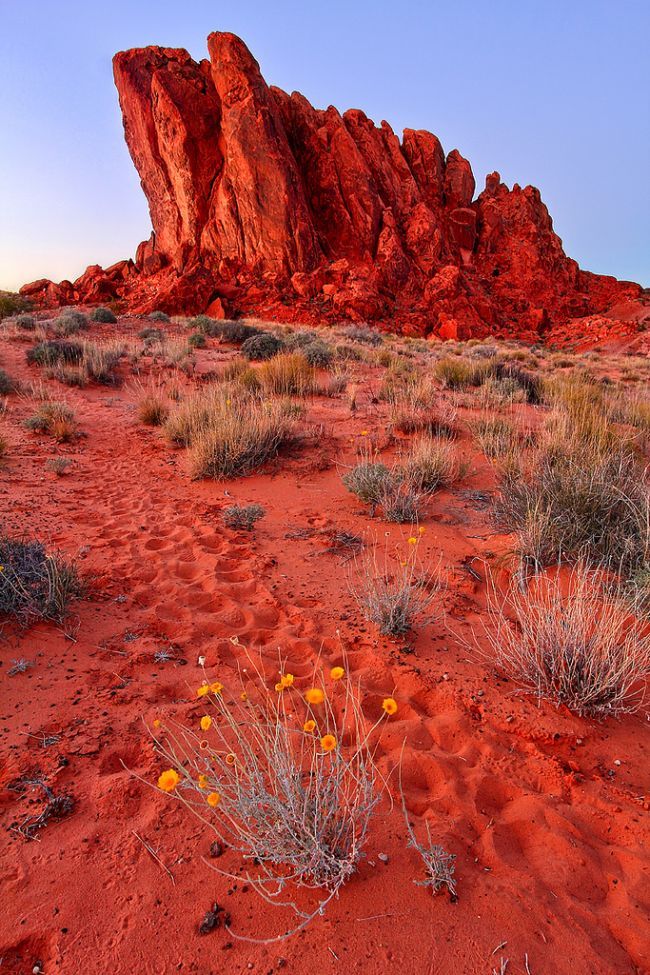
<point x="545" y="811"/>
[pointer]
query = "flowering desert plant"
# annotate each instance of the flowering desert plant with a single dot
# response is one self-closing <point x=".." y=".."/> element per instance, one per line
<point x="394" y="592"/>
<point x="283" y="771"/>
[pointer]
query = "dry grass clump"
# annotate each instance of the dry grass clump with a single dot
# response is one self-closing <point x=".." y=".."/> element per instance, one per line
<point x="153" y="403"/>
<point x="394" y="593"/>
<point x="58" y="465"/>
<point x="496" y="436"/>
<point x="288" y="374"/>
<point x="432" y="463"/>
<point x="583" y="493"/>
<point x="281" y="767"/>
<point x="572" y="641"/>
<point x="456" y="372"/>
<point x="35" y="585"/>
<point x="229" y="434"/>
<point x="55" y="419"/>
<point x="242" y="517"/>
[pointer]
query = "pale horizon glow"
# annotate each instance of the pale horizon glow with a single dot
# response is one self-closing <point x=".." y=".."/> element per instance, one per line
<point x="547" y="93"/>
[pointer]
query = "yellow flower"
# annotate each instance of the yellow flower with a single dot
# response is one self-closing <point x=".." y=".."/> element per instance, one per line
<point x="287" y="680"/>
<point x="421" y="529"/>
<point x="314" y="696"/>
<point x="206" y="722"/>
<point x="156" y="722"/>
<point x="243" y="696"/>
<point x="213" y="799"/>
<point x="202" y="690"/>
<point x="336" y="673"/>
<point x="203" y="781"/>
<point x="389" y="704"/>
<point x="364" y="433"/>
<point x="230" y="759"/>
<point x="328" y="743"/>
<point x="169" y="780"/>
<point x="279" y="687"/>
<point x="309" y="726"/>
<point x="412" y="540"/>
<point x="216" y="687"/>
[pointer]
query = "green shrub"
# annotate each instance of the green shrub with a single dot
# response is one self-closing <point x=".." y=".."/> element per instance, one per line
<point x="262" y="346"/>
<point x="50" y="352"/>
<point x="7" y="384"/>
<point x="197" y="340"/>
<point x="318" y="354"/>
<point x="26" y="322"/>
<point x="103" y="315"/>
<point x="70" y="322"/>
<point x="12" y="304"/>
<point x="159" y="316"/>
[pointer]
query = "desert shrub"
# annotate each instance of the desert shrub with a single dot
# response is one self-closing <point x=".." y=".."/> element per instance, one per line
<point x="150" y="335"/>
<point x="7" y="384"/>
<point x="70" y="322"/>
<point x="318" y="354"/>
<point x="12" y="304"/>
<point x="432" y="463"/>
<point x="103" y="315"/>
<point x="234" y="333"/>
<point x="393" y="593"/>
<point x="52" y="351"/>
<point x="289" y="374"/>
<point x="362" y="334"/>
<point x="243" y="517"/>
<point x="4" y="446"/>
<point x="35" y="585"/>
<point x="204" y="325"/>
<point x="281" y="769"/>
<point x="368" y="481"/>
<point x="262" y="346"/>
<point x="228" y="436"/>
<point x="55" y="419"/>
<point x="159" y="316"/>
<point x="572" y="641"/>
<point x="530" y="385"/>
<point x="348" y="353"/>
<point x="58" y="465"/>
<point x="400" y="501"/>
<point x="197" y="340"/>
<point x="27" y="322"/>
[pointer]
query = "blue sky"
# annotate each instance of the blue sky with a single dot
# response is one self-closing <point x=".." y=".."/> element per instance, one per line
<point x="549" y="92"/>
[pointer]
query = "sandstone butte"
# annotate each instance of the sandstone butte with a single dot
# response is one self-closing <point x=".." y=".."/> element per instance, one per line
<point x="262" y="205"/>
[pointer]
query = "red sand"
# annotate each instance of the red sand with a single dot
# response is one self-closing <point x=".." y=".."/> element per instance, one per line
<point x="547" y="828"/>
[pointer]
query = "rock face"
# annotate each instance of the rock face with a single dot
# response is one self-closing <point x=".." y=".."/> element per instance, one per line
<point x="262" y="204"/>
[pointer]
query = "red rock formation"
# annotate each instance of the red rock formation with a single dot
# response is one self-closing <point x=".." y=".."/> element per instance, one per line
<point x="262" y="204"/>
